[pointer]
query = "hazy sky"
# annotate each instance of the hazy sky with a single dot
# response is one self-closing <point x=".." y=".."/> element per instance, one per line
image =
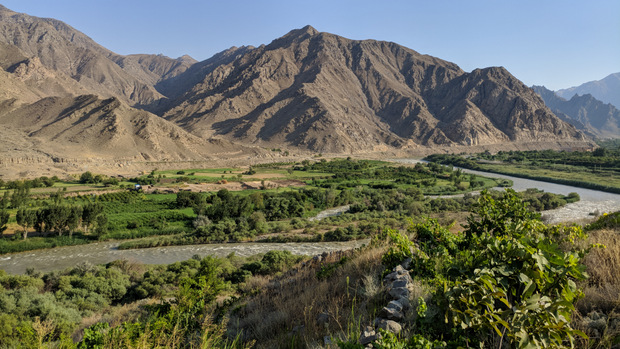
<point x="556" y="43"/>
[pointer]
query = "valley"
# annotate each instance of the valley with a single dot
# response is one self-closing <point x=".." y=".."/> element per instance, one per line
<point x="308" y="191"/>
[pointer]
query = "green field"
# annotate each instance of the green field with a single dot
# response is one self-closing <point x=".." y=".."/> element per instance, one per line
<point x="309" y="187"/>
<point x="580" y="169"/>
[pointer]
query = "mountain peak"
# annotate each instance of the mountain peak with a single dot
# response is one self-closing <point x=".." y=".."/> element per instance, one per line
<point x="187" y="59"/>
<point x="302" y="33"/>
<point x="309" y="30"/>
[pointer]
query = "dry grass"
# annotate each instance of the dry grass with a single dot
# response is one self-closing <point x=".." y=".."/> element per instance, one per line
<point x="598" y="312"/>
<point x="299" y="310"/>
<point x="603" y="266"/>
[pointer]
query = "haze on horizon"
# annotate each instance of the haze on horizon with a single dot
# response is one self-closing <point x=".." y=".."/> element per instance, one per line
<point x="558" y="44"/>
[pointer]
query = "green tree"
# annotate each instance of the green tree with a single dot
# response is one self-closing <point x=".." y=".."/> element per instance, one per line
<point x="90" y="212"/>
<point x="26" y="219"/>
<point x="20" y="196"/>
<point x="87" y="177"/>
<point x="101" y="225"/>
<point x="4" y="219"/>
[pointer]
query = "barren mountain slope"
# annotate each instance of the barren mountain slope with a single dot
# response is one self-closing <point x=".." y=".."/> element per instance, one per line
<point x="88" y="127"/>
<point x="326" y="93"/>
<point x="64" y="50"/>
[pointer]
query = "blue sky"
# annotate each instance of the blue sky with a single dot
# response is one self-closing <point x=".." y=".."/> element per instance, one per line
<point x="554" y="43"/>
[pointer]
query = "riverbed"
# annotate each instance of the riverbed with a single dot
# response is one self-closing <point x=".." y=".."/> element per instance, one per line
<point x="104" y="252"/>
<point x="592" y="202"/>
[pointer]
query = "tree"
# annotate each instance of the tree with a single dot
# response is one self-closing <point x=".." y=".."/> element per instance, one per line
<point x="101" y="225"/>
<point x="74" y="219"/>
<point x="4" y="219"/>
<point x="87" y="177"/>
<point x="90" y="212"/>
<point x="26" y="218"/>
<point x="20" y="196"/>
<point x="4" y="215"/>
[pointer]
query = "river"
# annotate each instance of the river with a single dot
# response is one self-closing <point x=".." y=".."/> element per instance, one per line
<point x="63" y="257"/>
<point x="592" y="201"/>
<point x="103" y="252"/>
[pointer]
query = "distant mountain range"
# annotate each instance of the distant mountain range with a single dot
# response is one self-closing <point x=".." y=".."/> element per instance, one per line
<point x="606" y="90"/>
<point x="64" y="96"/>
<point x="586" y="113"/>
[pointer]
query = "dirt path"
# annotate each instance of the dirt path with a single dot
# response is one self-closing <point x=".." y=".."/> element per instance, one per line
<point x="232" y="186"/>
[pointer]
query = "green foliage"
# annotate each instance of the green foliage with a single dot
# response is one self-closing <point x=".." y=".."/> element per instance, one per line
<point x="400" y="248"/>
<point x="4" y="219"/>
<point x="505" y="279"/>
<point x="605" y="221"/>
<point x="513" y="278"/>
<point x="497" y="217"/>
<point x="389" y="340"/>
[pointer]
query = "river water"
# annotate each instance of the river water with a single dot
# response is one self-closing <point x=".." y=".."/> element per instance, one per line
<point x="592" y="201"/>
<point x="63" y="257"/>
<point x="104" y="252"/>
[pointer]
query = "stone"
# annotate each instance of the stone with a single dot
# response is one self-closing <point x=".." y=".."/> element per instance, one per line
<point x="398" y="292"/>
<point x="406" y="264"/>
<point x="405" y="302"/>
<point x="389" y="325"/>
<point x="322" y="319"/>
<point x="391" y="314"/>
<point x="400" y="283"/>
<point x="398" y="275"/>
<point x="395" y="304"/>
<point x="369" y="335"/>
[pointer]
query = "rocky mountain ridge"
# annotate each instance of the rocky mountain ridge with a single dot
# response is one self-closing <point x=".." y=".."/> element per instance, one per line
<point x="64" y="96"/>
<point x="585" y="112"/>
<point x="326" y="93"/>
<point x="606" y="90"/>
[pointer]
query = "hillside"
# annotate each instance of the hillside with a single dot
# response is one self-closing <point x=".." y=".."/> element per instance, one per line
<point x="584" y="112"/>
<point x="306" y="91"/>
<point x="86" y="128"/>
<point x="606" y="90"/>
<point x="71" y="54"/>
<point x="323" y="92"/>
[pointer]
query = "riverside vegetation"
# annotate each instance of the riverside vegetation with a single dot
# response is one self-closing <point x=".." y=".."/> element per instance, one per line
<point x="599" y="170"/>
<point x="380" y="196"/>
<point x="487" y="285"/>
<point x="506" y="280"/>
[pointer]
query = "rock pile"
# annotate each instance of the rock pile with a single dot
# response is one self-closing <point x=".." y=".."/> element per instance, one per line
<point x="390" y="318"/>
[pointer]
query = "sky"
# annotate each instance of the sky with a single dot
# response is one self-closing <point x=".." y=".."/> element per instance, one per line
<point x="555" y="43"/>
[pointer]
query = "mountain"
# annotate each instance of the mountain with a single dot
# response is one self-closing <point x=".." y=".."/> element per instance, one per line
<point x="606" y="90"/>
<point x="64" y="97"/>
<point x="584" y="112"/>
<point x="71" y="55"/>
<point x="89" y="127"/>
<point x="323" y="92"/>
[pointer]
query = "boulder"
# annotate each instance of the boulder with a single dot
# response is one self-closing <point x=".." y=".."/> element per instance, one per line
<point x="391" y="314"/>
<point x="399" y="292"/>
<point x="389" y="325"/>
<point x="369" y="335"/>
